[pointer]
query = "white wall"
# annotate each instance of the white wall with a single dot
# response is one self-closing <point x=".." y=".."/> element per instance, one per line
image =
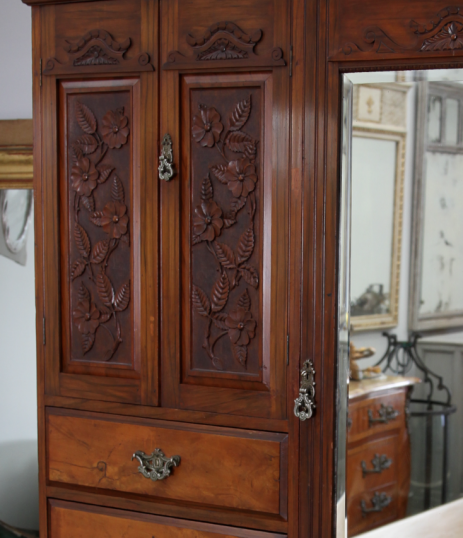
<point x="18" y="407"/>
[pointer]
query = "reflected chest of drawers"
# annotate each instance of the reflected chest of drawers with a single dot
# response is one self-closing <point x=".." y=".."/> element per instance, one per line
<point x="378" y="452"/>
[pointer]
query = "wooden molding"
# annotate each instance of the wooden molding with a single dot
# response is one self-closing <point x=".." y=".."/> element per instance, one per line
<point x="53" y="2"/>
<point x="16" y="162"/>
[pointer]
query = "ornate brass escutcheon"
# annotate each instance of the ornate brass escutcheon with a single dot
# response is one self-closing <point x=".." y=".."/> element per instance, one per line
<point x="155" y="466"/>
<point x="166" y="159"/>
<point x="385" y="414"/>
<point x="304" y="404"/>
<point x="379" y="502"/>
<point x="380" y="463"/>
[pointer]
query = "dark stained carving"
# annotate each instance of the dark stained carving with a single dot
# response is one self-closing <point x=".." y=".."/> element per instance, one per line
<point x="444" y="33"/>
<point x="225" y="41"/>
<point x="95" y="302"/>
<point x="236" y="170"/>
<point x="97" y="48"/>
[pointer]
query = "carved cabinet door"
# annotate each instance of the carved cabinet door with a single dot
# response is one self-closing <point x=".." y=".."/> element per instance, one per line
<point x="99" y="133"/>
<point x="224" y="95"/>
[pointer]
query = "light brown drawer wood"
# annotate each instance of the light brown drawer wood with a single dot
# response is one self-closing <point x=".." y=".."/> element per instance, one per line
<point x="362" y="427"/>
<point x="357" y="480"/>
<point x="72" y="520"/>
<point x="221" y="467"/>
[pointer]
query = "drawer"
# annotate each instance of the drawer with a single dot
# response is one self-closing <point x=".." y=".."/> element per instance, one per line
<point x="360" y="521"/>
<point x="72" y="520"/>
<point x="376" y="415"/>
<point x="373" y="465"/>
<point x="219" y="467"/>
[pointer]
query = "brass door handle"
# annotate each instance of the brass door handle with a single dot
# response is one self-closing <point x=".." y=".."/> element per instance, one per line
<point x="304" y="404"/>
<point x="166" y="159"/>
<point x="379" y="502"/>
<point x="155" y="466"/>
<point x="385" y="415"/>
<point x="380" y="464"/>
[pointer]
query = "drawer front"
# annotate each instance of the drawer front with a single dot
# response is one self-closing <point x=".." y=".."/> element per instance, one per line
<point x="376" y="415"/>
<point x="361" y="520"/>
<point x="373" y="465"/>
<point x="71" y="520"/>
<point x="220" y="467"/>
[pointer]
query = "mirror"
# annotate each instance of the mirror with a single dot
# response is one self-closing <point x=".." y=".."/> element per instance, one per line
<point x="400" y="314"/>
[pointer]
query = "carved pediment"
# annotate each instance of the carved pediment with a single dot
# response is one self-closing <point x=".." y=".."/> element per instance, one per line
<point x="225" y="41"/>
<point x="97" y="48"/>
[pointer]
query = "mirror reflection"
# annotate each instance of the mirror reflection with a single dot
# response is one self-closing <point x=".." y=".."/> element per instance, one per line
<point x="402" y="320"/>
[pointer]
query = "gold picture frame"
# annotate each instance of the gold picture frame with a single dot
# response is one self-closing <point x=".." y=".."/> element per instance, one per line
<point x="16" y="154"/>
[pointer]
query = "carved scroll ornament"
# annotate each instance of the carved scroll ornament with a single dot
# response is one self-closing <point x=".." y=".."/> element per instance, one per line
<point x="224" y="41"/>
<point x="443" y="33"/>
<point x="97" y="50"/>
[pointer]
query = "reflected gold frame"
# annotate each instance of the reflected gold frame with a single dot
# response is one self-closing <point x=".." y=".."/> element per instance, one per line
<point x="391" y="319"/>
<point x="16" y="161"/>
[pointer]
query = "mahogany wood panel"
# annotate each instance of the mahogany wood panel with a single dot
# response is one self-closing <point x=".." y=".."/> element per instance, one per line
<point x="72" y="520"/>
<point x="224" y="348"/>
<point x="233" y="469"/>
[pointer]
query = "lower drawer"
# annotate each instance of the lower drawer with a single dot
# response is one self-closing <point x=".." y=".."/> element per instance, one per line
<point x="221" y="467"/>
<point x="71" y="520"/>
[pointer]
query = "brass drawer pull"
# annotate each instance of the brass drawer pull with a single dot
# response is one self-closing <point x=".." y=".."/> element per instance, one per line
<point x="166" y="159"/>
<point x="379" y="502"/>
<point x="380" y="464"/>
<point x="386" y="414"/>
<point x="304" y="404"/>
<point x="155" y="466"/>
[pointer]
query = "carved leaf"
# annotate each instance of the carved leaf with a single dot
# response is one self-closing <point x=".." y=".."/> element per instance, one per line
<point x="200" y="301"/>
<point x="89" y="202"/>
<point x="238" y="141"/>
<point x="240" y="114"/>
<point x="219" y="172"/>
<point x="220" y="293"/>
<point x="240" y="354"/>
<point x="196" y="239"/>
<point x="87" y="143"/>
<point x="105" y="315"/>
<point x="225" y="255"/>
<point x="99" y="251"/>
<point x="117" y="190"/>
<point x="77" y="153"/>
<point x="245" y="246"/>
<point x="219" y="320"/>
<point x="87" y="342"/>
<point x="83" y="293"/>
<point x="207" y="191"/>
<point x="228" y="222"/>
<point x="78" y="267"/>
<point x="82" y="241"/>
<point x="245" y="300"/>
<point x="96" y="218"/>
<point x="122" y="299"/>
<point x="104" y="174"/>
<point x="85" y="118"/>
<point x="250" y="275"/>
<point x="105" y="289"/>
<point x="236" y="205"/>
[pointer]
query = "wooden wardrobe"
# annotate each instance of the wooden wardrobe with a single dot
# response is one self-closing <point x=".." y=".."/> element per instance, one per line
<point x="186" y="221"/>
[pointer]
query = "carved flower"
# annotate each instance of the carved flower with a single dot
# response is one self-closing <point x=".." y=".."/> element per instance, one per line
<point x="449" y="38"/>
<point x="114" y="219"/>
<point x="241" y="326"/>
<point x="208" y="223"/>
<point x="86" y="317"/>
<point x="84" y="176"/>
<point x="241" y="177"/>
<point x="207" y="127"/>
<point x="115" y="130"/>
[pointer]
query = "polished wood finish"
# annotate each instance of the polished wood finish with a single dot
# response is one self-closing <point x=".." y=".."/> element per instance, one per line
<point x="73" y="520"/>
<point x="94" y="450"/>
<point x="371" y="444"/>
<point x="295" y="252"/>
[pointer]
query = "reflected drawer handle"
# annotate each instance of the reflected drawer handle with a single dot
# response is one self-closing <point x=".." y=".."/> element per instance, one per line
<point x="155" y="466"/>
<point x="166" y="159"/>
<point x="380" y="463"/>
<point x="379" y="502"/>
<point x="386" y="414"/>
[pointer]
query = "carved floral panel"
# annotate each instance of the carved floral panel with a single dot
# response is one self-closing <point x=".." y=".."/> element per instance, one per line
<point x="226" y="230"/>
<point x="98" y="189"/>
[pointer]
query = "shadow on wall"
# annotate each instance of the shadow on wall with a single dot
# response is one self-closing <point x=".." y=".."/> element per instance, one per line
<point x="19" y="484"/>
